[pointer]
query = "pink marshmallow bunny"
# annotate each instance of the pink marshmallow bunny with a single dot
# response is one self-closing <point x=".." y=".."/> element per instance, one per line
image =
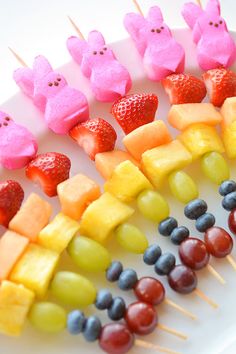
<point x="17" y="144"/>
<point x="109" y="79"/>
<point x="215" y="46"/>
<point x="63" y="106"/>
<point x="162" y="55"/>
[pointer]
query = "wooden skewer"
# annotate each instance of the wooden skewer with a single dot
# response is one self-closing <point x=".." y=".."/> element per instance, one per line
<point x="231" y="261"/>
<point x="76" y="28"/>
<point x="147" y="345"/>
<point x="216" y="274"/>
<point x="199" y="3"/>
<point x="136" y="4"/>
<point x="171" y="331"/>
<point x="205" y="298"/>
<point x="18" y="58"/>
<point x="180" y="309"/>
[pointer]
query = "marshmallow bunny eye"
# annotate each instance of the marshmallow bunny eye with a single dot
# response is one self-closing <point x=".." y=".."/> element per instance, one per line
<point x="152" y="30"/>
<point x="59" y="79"/>
<point x="220" y="22"/>
<point x="162" y="27"/>
<point x="95" y="53"/>
<point x="210" y="23"/>
<point x="105" y="48"/>
<point x="50" y="84"/>
<point x="7" y="119"/>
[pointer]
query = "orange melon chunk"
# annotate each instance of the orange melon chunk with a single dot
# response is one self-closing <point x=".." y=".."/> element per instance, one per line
<point x="76" y="193"/>
<point x="228" y="111"/>
<point x="12" y="246"/>
<point x="107" y="161"/>
<point x="33" y="216"/>
<point x="182" y="116"/>
<point x="146" y="137"/>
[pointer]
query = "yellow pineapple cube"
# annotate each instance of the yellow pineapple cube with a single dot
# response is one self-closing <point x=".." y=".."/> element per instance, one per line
<point x="159" y="162"/>
<point x="200" y="139"/>
<point x="229" y="139"/>
<point x="228" y="111"/>
<point x="57" y="235"/>
<point x="126" y="182"/>
<point x="35" y="269"/>
<point x="15" y="302"/>
<point x="102" y="216"/>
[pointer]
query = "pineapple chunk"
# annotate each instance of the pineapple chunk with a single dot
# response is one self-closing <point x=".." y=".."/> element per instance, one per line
<point x="228" y="111"/>
<point x="200" y="139"/>
<point x="103" y="216"/>
<point x="15" y="302"/>
<point x="35" y="269"/>
<point x="126" y="182"/>
<point x="57" y="235"/>
<point x="76" y="193"/>
<point x="32" y="217"/>
<point x="229" y="140"/>
<point x="159" y="162"/>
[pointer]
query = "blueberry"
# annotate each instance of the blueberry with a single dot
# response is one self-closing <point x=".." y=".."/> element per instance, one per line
<point x="167" y="226"/>
<point x="127" y="279"/>
<point x="179" y="234"/>
<point x="75" y="322"/>
<point x="204" y="222"/>
<point x="103" y="300"/>
<point x="195" y="208"/>
<point x="227" y="187"/>
<point x="229" y="201"/>
<point x="152" y="254"/>
<point x="114" y="271"/>
<point x="165" y="264"/>
<point x="92" y="328"/>
<point x="117" y="310"/>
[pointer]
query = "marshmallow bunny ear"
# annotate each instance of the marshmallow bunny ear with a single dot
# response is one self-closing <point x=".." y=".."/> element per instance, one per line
<point x="95" y="38"/>
<point x="41" y="67"/>
<point x="77" y="47"/>
<point x="133" y="23"/>
<point x="213" y="7"/>
<point x="191" y="12"/>
<point x="155" y="14"/>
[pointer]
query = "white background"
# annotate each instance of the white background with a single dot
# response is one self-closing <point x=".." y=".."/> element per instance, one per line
<point x="34" y="27"/>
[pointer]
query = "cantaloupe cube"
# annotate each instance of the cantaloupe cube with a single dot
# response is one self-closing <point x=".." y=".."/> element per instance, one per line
<point x="200" y="139"/>
<point x="32" y="217"/>
<point x="12" y="246"/>
<point x="159" y="162"/>
<point x="146" y="137"/>
<point x="107" y="161"/>
<point x="229" y="139"/>
<point x="183" y="115"/>
<point x="57" y="235"/>
<point x="228" y="111"/>
<point x="126" y="182"/>
<point x="15" y="302"/>
<point x="35" y="269"/>
<point x="103" y="216"/>
<point x="76" y="193"/>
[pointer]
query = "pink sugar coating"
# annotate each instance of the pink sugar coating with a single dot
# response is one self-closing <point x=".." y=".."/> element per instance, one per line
<point x="162" y="55"/>
<point x="108" y="78"/>
<point x="63" y="106"/>
<point x="17" y="144"/>
<point x="215" y="45"/>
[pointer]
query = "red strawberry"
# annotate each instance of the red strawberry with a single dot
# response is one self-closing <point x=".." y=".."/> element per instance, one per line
<point x="48" y="170"/>
<point x="221" y="84"/>
<point x="94" y="136"/>
<point x="11" y="197"/>
<point x="184" y="88"/>
<point x="132" y="111"/>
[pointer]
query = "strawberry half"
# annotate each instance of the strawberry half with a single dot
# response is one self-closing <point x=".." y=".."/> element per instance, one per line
<point x="11" y="198"/>
<point x="48" y="170"/>
<point x="132" y="111"/>
<point x="221" y="84"/>
<point x="184" y="88"/>
<point x="94" y="136"/>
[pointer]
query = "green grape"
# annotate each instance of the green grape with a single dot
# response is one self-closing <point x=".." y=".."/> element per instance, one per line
<point x="182" y="186"/>
<point x="48" y="317"/>
<point x="89" y="255"/>
<point x="73" y="289"/>
<point x="215" y="167"/>
<point x="131" y="238"/>
<point x="153" y="206"/>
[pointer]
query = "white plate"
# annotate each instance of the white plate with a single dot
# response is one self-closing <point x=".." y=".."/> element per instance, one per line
<point x="214" y="331"/>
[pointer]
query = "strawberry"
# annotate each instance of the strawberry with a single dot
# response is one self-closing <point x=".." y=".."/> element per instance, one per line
<point x="48" y="170"/>
<point x="11" y="197"/>
<point x="132" y="111"/>
<point x="94" y="136"/>
<point x="184" y="88"/>
<point x="221" y="84"/>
